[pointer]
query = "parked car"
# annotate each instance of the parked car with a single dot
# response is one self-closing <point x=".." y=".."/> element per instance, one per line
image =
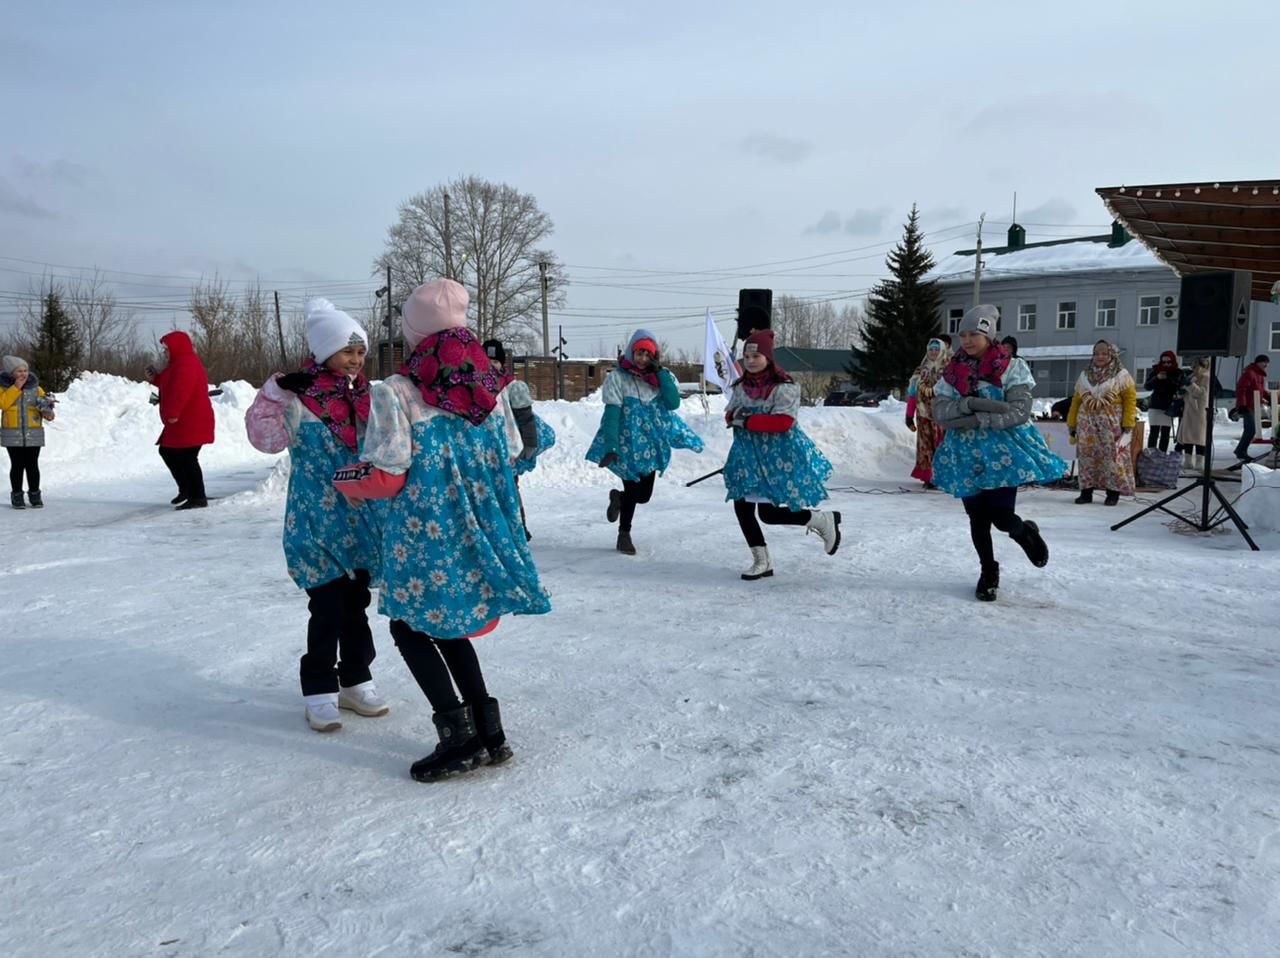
<point x="841" y="397"/>
<point x="870" y="399"/>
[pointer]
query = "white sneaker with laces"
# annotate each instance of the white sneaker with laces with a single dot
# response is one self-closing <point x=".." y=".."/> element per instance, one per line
<point x="322" y="711"/>
<point x="363" y="699"/>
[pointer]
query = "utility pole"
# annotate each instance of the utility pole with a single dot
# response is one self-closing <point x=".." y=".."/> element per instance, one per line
<point x="387" y="321"/>
<point x="977" y="264"/>
<point x="284" y="358"/>
<point x="448" y="241"/>
<point x="546" y="330"/>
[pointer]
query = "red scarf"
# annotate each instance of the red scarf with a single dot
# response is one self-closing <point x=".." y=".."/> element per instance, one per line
<point x="648" y="374"/>
<point x="964" y="372"/>
<point x="454" y="374"/>
<point x="760" y="385"/>
<point x="337" y="401"/>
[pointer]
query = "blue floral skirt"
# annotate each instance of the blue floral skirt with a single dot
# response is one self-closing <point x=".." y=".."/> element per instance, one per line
<point x="648" y="433"/>
<point x="971" y="460"/>
<point x="785" y="468"/>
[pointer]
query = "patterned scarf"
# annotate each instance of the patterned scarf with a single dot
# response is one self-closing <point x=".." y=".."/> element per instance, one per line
<point x="454" y="374"/>
<point x="964" y="372"/>
<point x="1111" y="370"/>
<point x="760" y="385"/>
<point x="649" y="374"/>
<point x="930" y="370"/>
<point x="337" y="401"/>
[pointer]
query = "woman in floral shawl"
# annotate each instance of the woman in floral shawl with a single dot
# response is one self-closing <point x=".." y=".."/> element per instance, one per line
<point x="454" y="554"/>
<point x="920" y="409"/>
<point x="1103" y="411"/>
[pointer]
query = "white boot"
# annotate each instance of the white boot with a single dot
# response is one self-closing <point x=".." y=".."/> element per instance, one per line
<point x="363" y="699"/>
<point x="322" y="711"/>
<point x="827" y="525"/>
<point x="1188" y="460"/>
<point x="761" y="567"/>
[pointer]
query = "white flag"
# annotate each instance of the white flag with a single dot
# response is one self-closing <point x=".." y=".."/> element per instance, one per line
<point x="718" y="365"/>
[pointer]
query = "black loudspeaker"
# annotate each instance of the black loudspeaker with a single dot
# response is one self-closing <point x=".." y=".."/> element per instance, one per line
<point x="755" y="311"/>
<point x="1213" y="314"/>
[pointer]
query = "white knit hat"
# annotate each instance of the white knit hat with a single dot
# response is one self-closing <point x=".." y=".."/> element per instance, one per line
<point x="13" y="363"/>
<point x="329" y="329"/>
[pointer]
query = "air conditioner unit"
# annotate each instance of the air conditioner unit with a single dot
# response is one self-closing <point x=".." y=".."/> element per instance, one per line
<point x="1169" y="307"/>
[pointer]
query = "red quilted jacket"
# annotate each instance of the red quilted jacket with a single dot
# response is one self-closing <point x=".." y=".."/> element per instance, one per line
<point x="185" y="409"/>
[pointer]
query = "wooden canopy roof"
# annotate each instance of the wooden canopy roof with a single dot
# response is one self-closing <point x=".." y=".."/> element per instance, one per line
<point x="1200" y="227"/>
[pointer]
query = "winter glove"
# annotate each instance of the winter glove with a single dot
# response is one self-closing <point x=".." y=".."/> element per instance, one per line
<point x="911" y="423"/>
<point x="296" y="382"/>
<point x="608" y="459"/>
<point x="528" y="453"/>
<point x="152" y="372"/>
<point x="1126" y="437"/>
<point x="154" y="399"/>
<point x="1071" y="436"/>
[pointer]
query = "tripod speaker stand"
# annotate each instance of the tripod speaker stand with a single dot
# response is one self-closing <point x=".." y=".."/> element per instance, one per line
<point x="1204" y="482"/>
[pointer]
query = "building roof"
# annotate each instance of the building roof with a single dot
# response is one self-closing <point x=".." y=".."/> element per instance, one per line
<point x="1085" y="254"/>
<point x="798" y="360"/>
<point x="1199" y="227"/>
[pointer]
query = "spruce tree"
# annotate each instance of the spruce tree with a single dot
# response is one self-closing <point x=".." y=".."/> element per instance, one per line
<point x="56" y="356"/>
<point x="902" y="313"/>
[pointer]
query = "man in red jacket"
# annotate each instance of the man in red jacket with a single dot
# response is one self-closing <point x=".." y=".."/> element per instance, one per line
<point x="1253" y="382"/>
<point x="187" y="415"/>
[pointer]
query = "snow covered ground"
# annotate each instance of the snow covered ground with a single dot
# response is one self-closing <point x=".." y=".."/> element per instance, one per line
<point x="852" y="758"/>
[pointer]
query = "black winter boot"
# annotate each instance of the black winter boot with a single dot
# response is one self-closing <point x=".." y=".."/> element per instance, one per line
<point x="200" y="503"/>
<point x="489" y="722"/>
<point x="460" y="750"/>
<point x="1113" y="498"/>
<point x="15" y="500"/>
<point x="1033" y="544"/>
<point x="37" y="502"/>
<point x="615" y="505"/>
<point x="1085" y="497"/>
<point x="625" y="545"/>
<point x="180" y="497"/>
<point x="988" y="583"/>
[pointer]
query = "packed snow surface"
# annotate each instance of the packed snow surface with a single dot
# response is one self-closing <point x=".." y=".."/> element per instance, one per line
<point x="851" y="758"/>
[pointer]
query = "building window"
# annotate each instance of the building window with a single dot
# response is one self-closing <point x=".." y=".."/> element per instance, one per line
<point x="1106" y="314"/>
<point x="1027" y="318"/>
<point x="954" y="315"/>
<point x="1149" y="311"/>
<point x="1067" y="315"/>
<point x="1275" y="337"/>
<point x="591" y="372"/>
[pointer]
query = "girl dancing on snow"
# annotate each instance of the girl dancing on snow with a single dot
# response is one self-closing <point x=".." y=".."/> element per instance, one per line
<point x="990" y="446"/>
<point x="638" y="431"/>
<point x="331" y="547"/>
<point x="773" y="467"/>
<point x="454" y="555"/>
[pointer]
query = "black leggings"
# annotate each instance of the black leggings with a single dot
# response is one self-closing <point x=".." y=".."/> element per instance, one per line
<point x="436" y="664"/>
<point x="184" y="466"/>
<point x="1159" y="436"/>
<point x="24" y="459"/>
<point x="634" y="494"/>
<point x="770" y="515"/>
<point x="991" y="507"/>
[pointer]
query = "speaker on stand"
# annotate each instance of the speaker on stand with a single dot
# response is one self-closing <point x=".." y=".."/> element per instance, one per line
<point x="755" y="311"/>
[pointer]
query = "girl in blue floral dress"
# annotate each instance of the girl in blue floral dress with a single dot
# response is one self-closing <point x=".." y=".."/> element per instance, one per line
<point x="319" y="414"/>
<point x="454" y="557"/>
<point x="773" y="467"/>
<point x="990" y="446"/>
<point x="638" y="431"/>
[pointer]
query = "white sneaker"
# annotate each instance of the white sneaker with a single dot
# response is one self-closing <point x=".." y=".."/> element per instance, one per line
<point x="827" y="525"/>
<point x="322" y="711"/>
<point x="363" y="699"/>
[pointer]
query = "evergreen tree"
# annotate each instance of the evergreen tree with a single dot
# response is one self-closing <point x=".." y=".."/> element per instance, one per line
<point x="902" y="313"/>
<point x="56" y="356"/>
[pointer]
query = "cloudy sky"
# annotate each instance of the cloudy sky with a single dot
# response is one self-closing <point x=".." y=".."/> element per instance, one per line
<point x="683" y="150"/>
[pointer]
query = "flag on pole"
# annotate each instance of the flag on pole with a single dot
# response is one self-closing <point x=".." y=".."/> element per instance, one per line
<point x="718" y="365"/>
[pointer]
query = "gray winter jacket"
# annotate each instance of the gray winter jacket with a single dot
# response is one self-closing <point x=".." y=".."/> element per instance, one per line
<point x="975" y="412"/>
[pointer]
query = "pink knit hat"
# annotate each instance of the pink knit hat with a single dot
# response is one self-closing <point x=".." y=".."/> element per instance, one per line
<point x="432" y="307"/>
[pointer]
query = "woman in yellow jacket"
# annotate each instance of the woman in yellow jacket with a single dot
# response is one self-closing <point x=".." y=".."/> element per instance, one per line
<point x="23" y="411"/>
<point x="1103" y="411"/>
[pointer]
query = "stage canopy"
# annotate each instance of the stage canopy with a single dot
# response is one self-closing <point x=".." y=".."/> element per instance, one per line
<point x="1202" y="227"/>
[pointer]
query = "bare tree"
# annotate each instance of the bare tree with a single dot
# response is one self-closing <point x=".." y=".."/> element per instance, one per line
<point x="806" y="324"/>
<point x="213" y="327"/>
<point x="493" y="245"/>
<point x="107" y="332"/>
